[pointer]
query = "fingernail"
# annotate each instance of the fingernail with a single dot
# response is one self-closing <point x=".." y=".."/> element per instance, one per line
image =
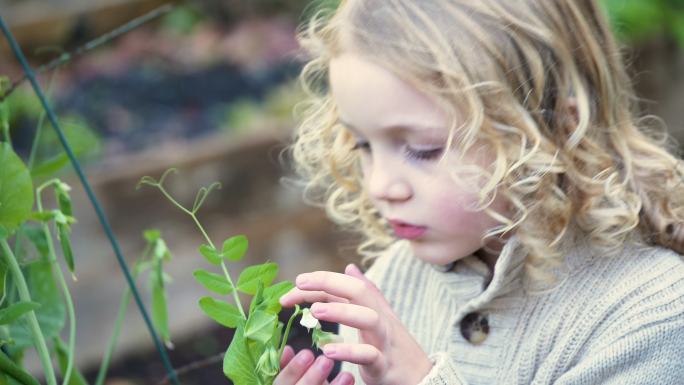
<point x="329" y="350"/>
<point x="318" y="309"/>
<point x="304" y="358"/>
<point x="323" y="363"/>
<point x="301" y="280"/>
<point x="343" y="379"/>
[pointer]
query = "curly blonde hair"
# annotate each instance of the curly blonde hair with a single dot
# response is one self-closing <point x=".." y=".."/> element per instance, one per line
<point x="541" y="82"/>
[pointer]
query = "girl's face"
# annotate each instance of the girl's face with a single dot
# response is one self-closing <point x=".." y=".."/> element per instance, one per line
<point x="401" y="135"/>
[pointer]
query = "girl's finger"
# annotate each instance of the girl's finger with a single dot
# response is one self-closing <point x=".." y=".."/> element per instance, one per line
<point x="360" y="354"/>
<point x="288" y="354"/>
<point x="344" y="378"/>
<point x="318" y="372"/>
<point x="358" y="317"/>
<point x="356" y="290"/>
<point x="297" y="296"/>
<point x="295" y="368"/>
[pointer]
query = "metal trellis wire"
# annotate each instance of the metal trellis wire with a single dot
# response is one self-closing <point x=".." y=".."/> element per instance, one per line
<point x="91" y="195"/>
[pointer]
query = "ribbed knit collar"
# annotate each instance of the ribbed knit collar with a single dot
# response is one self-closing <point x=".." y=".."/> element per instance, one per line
<point x="509" y="269"/>
<point x="507" y="265"/>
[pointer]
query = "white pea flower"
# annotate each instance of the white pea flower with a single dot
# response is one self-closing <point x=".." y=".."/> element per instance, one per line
<point x="308" y="320"/>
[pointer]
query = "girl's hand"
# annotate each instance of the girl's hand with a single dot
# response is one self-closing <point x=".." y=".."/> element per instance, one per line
<point x="300" y="371"/>
<point x="387" y="354"/>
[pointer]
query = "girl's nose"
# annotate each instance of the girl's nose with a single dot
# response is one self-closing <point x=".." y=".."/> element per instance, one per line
<point x="384" y="184"/>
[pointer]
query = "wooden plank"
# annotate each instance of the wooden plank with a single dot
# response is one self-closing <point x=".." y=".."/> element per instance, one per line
<point x="42" y="23"/>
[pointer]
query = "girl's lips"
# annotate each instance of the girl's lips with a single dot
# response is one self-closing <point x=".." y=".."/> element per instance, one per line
<point x="406" y="230"/>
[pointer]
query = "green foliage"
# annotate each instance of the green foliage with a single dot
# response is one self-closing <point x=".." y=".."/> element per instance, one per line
<point x="210" y="254"/>
<point x="234" y="248"/>
<point x="275" y="109"/>
<point x="34" y="297"/>
<point x="253" y="356"/>
<point x="182" y="21"/>
<point x="252" y="276"/>
<point x="221" y="312"/>
<point x="16" y="190"/>
<point x="635" y="21"/>
<point x="16" y="310"/>
<point x="215" y="283"/>
<point x="50" y="158"/>
<point x="62" y="353"/>
<point x="52" y="312"/>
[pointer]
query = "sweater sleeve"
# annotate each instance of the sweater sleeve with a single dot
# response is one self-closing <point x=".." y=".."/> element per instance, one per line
<point x="652" y="354"/>
<point x="443" y="372"/>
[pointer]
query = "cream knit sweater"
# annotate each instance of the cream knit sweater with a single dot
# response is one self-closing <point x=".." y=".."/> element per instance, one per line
<point x="611" y="320"/>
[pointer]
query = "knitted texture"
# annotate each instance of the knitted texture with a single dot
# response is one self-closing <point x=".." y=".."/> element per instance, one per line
<point x="608" y="320"/>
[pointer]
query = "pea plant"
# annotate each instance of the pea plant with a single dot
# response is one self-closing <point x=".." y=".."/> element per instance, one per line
<point x="36" y="305"/>
<point x="253" y="355"/>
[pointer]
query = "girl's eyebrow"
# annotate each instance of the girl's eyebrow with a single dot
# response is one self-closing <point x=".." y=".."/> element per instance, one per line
<point x="390" y="128"/>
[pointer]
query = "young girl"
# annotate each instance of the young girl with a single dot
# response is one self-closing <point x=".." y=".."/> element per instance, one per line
<point x="524" y="226"/>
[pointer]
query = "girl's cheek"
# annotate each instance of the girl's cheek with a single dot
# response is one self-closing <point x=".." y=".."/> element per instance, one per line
<point x="457" y="211"/>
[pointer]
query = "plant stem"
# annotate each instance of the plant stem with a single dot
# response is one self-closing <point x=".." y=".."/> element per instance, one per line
<point x="236" y="298"/>
<point x="6" y="134"/>
<point x="31" y="160"/>
<point x="287" y="331"/>
<point x="70" y="309"/>
<point x="8" y="367"/>
<point x="38" y="338"/>
<point x="123" y="306"/>
<point x="104" y="366"/>
<point x="199" y="225"/>
<point x="52" y="256"/>
<point x="39" y="127"/>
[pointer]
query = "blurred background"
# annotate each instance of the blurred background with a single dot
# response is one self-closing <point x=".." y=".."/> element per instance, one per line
<point x="208" y="87"/>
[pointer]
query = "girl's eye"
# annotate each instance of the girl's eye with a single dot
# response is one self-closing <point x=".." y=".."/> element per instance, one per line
<point x="365" y="146"/>
<point x="411" y="153"/>
<point x="430" y="154"/>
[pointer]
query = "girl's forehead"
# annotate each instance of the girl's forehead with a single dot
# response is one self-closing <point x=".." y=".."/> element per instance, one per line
<point x="368" y="95"/>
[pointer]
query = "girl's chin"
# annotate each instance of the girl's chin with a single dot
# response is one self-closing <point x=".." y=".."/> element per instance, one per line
<point x="436" y="254"/>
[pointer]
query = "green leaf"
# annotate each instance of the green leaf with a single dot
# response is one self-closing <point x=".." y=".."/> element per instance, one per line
<point x="63" y="237"/>
<point x="51" y="314"/>
<point x="62" y="353"/>
<point x="151" y="235"/>
<point x="160" y="315"/>
<point x="237" y="364"/>
<point x="234" y="248"/>
<point x="16" y="190"/>
<point x="213" y="282"/>
<point x="44" y="216"/>
<point x="257" y="301"/>
<point x="210" y="254"/>
<point x="221" y="312"/>
<point x="252" y="275"/>
<point x="50" y="166"/>
<point x="4" y="233"/>
<point x="38" y="239"/>
<point x="273" y="293"/>
<point x="15" y="311"/>
<point x="260" y="326"/>
<point x="4" y="114"/>
<point x="161" y="251"/>
<point x="3" y="282"/>
<point x="50" y="156"/>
